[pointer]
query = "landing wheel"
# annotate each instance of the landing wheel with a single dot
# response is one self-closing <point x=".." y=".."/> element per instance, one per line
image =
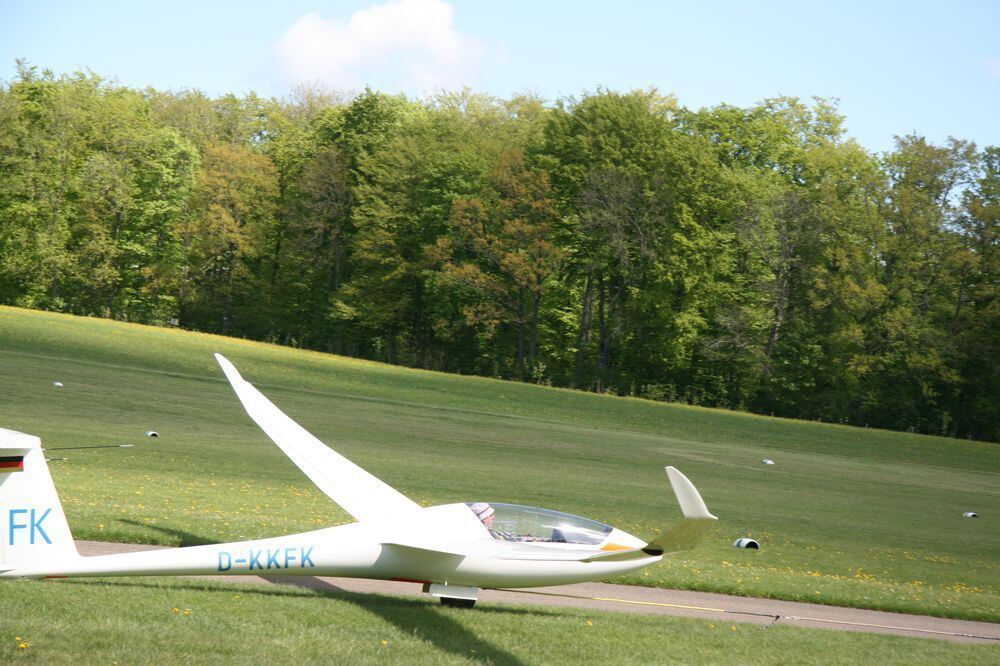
<point x="453" y="602"/>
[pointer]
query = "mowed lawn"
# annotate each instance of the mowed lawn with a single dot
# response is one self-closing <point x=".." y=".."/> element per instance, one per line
<point x="846" y="516"/>
<point x="169" y="621"/>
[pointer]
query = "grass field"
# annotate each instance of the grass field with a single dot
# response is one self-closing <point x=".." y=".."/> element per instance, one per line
<point x="846" y="516"/>
<point x="180" y="621"/>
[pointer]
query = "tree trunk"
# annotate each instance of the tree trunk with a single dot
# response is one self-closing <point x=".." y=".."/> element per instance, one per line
<point x="781" y="289"/>
<point x="279" y="237"/>
<point x="113" y="287"/>
<point x="520" y="332"/>
<point x="586" y="322"/>
<point x="54" y="201"/>
<point x="960" y="299"/>
<point x="602" y="327"/>
<point x="533" y="344"/>
<point x="228" y="303"/>
<point x="611" y="323"/>
<point x="420" y="328"/>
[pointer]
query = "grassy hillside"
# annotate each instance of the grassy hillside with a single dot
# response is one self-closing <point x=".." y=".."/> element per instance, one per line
<point x="846" y="516"/>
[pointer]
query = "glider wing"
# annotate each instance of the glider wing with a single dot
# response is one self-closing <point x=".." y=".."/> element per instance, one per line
<point x="361" y="494"/>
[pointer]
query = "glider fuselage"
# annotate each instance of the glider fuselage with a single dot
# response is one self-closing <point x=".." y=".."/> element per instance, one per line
<point x="356" y="550"/>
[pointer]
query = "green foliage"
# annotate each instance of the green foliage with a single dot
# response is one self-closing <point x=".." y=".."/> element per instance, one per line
<point x="498" y="259"/>
<point x="95" y="190"/>
<point x="750" y="258"/>
<point x="226" y="235"/>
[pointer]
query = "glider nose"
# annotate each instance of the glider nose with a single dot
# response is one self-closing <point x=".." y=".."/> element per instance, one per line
<point x="621" y="540"/>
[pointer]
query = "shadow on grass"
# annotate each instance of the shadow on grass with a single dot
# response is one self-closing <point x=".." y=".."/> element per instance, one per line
<point x="420" y="618"/>
<point x="184" y="538"/>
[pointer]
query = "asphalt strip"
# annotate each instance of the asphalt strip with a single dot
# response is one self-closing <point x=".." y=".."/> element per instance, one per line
<point x="646" y="600"/>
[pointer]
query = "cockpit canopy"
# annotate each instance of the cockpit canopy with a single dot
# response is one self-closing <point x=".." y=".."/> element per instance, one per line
<point x="514" y="522"/>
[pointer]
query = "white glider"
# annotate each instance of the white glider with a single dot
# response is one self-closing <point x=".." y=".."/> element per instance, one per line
<point x="448" y="548"/>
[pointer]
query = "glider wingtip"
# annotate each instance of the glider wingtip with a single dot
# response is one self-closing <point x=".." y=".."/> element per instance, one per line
<point x="675" y="475"/>
<point x="227" y="367"/>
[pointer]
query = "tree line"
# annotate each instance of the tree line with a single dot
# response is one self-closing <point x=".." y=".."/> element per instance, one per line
<point x="748" y="258"/>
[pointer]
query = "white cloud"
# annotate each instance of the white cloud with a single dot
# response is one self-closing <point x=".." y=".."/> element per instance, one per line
<point x="410" y="45"/>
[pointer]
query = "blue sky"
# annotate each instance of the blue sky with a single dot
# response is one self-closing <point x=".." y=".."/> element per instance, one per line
<point x="897" y="67"/>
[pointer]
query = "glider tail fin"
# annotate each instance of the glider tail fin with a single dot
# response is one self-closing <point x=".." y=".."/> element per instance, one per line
<point x="691" y="530"/>
<point x="33" y="529"/>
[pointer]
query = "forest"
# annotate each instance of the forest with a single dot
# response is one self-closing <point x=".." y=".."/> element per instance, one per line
<point x="752" y="259"/>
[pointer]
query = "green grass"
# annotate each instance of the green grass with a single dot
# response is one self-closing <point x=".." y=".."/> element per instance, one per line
<point x="183" y="621"/>
<point x="847" y="516"/>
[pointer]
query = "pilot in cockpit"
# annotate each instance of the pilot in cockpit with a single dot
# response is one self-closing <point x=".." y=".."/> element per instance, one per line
<point x="484" y="512"/>
<point x="512" y="522"/>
